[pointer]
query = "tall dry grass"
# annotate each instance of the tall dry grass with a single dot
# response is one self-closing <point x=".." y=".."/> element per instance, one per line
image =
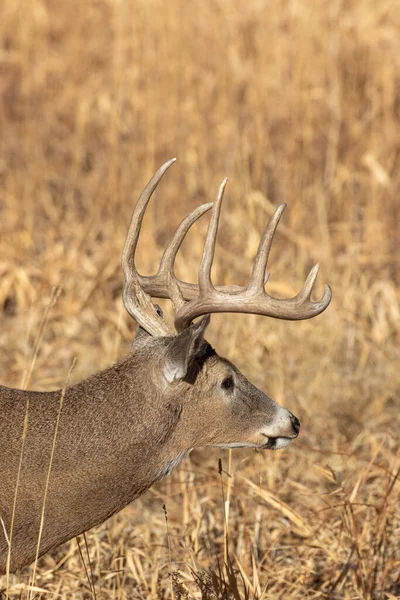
<point x="296" y="102"/>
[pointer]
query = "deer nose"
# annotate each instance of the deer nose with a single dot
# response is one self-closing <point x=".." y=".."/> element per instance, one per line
<point x="295" y="423"/>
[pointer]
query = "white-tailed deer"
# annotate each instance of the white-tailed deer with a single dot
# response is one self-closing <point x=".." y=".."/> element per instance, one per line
<point x="127" y="427"/>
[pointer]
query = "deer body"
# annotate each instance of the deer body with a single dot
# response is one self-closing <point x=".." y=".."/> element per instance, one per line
<point x="124" y="428"/>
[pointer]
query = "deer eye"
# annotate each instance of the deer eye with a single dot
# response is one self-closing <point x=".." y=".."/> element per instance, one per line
<point x="228" y="383"/>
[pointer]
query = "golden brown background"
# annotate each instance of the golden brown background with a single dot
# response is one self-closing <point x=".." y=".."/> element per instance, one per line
<point x="295" y="102"/>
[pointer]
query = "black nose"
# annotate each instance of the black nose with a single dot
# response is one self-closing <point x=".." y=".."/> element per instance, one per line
<point x="295" y="423"/>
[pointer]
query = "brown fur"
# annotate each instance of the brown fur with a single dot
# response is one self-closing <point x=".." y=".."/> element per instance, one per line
<point x="119" y="432"/>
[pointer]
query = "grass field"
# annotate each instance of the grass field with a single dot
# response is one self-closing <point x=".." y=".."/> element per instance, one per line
<point x="295" y="102"/>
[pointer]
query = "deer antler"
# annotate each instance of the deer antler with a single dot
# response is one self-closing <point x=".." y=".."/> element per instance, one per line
<point x="190" y="300"/>
<point x="252" y="299"/>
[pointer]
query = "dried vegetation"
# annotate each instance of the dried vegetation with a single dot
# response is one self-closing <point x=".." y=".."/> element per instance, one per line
<point x="296" y="102"/>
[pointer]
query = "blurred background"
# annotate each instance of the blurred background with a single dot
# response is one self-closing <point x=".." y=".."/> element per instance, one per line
<point x="295" y="102"/>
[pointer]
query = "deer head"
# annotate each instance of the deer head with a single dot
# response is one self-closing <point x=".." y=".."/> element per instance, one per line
<point x="220" y="407"/>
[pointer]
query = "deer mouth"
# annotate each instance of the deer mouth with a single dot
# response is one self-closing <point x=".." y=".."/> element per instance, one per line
<point x="275" y="443"/>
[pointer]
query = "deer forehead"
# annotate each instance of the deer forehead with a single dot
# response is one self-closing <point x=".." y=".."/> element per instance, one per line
<point x="214" y="370"/>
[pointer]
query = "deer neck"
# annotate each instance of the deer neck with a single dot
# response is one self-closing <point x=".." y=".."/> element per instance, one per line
<point x="127" y="432"/>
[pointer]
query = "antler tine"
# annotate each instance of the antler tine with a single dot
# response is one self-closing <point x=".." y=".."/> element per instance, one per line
<point x="137" y="302"/>
<point x="166" y="276"/>
<point x="168" y="258"/>
<point x="259" y="277"/>
<point x="307" y="289"/>
<point x="305" y="295"/>
<point x="205" y="284"/>
<point x="128" y="254"/>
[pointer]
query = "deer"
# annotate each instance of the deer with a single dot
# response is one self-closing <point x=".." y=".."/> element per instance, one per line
<point x="123" y="429"/>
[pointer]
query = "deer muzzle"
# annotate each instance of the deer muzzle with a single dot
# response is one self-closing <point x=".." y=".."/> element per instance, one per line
<point x="285" y="428"/>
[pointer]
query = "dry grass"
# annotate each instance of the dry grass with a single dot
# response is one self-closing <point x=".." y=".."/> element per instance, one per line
<point x="294" y="101"/>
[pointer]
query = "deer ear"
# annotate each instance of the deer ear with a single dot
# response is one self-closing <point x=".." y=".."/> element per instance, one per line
<point x="183" y="349"/>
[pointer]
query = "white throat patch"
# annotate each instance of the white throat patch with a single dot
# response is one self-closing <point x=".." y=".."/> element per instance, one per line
<point x="170" y="465"/>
